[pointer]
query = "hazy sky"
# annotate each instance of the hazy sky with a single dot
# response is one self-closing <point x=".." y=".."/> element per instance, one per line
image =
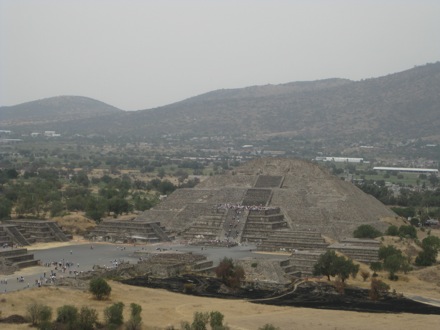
<point x="143" y="54"/>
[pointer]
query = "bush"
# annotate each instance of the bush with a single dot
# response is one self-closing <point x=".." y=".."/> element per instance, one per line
<point x="366" y="231"/>
<point x="135" y="322"/>
<point x="428" y="256"/>
<point x="39" y="313"/>
<point x="268" y="326"/>
<point x="414" y="222"/>
<point x="216" y="320"/>
<point x="87" y="318"/>
<point x="392" y="231"/>
<point x="68" y="315"/>
<point x="200" y="321"/>
<point x="377" y="289"/>
<point x="100" y="288"/>
<point x="230" y="274"/>
<point x="375" y="267"/>
<point x="113" y="315"/>
<point x="365" y="275"/>
<point x="407" y="231"/>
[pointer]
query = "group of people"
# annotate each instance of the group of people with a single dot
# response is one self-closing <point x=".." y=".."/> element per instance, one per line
<point x="244" y="207"/>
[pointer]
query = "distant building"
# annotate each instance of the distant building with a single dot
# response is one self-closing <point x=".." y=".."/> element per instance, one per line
<point x="51" y="134"/>
<point x="340" y="159"/>
<point x="407" y="169"/>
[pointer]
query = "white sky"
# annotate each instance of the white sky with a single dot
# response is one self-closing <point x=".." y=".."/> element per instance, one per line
<point x="143" y="54"/>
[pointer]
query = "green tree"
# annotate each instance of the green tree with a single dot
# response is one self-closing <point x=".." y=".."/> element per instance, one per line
<point x="392" y="231"/>
<point x="39" y="313"/>
<point x="96" y="208"/>
<point x="216" y="320"/>
<point x="87" y="318"/>
<point x="375" y="267"/>
<point x="393" y="264"/>
<point x="407" y="231"/>
<point x="5" y="208"/>
<point x="330" y="264"/>
<point x="345" y="268"/>
<point x="113" y="315"/>
<point x="393" y="261"/>
<point x="100" y="288"/>
<point x="56" y="209"/>
<point x="366" y="231"/>
<point x="431" y="246"/>
<point x="135" y="321"/>
<point x="326" y="264"/>
<point x="200" y="321"/>
<point x="68" y="315"/>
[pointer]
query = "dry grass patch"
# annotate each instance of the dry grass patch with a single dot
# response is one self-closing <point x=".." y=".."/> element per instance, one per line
<point x="161" y="308"/>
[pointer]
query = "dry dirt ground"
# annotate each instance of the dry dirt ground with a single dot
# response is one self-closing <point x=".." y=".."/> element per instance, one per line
<point x="161" y="308"/>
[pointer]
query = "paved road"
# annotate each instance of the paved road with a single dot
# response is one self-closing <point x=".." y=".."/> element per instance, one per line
<point x="424" y="300"/>
<point x="84" y="258"/>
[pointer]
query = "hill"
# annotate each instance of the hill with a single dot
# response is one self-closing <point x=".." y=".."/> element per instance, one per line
<point x="399" y="106"/>
<point x="54" y="110"/>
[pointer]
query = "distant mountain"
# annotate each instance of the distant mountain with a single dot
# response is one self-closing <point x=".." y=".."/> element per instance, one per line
<point x="401" y="105"/>
<point x="54" y="110"/>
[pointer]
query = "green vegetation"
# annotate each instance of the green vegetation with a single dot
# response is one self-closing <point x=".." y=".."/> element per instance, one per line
<point x="431" y="246"/>
<point x="366" y="231"/>
<point x="113" y="315"/>
<point x="230" y="274"/>
<point x="393" y="261"/>
<point x="135" y="321"/>
<point x="201" y="320"/>
<point x="100" y="288"/>
<point x="39" y="314"/>
<point x="68" y="316"/>
<point x="330" y="264"/>
<point x="87" y="318"/>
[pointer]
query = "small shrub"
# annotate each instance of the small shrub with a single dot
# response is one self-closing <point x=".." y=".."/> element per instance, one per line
<point x="366" y="231"/>
<point x="39" y="313"/>
<point x="135" y="321"/>
<point x="68" y="315"/>
<point x="216" y="320"/>
<point x="377" y="289"/>
<point x="254" y="265"/>
<point x="365" y="275"/>
<point x="100" y="288"/>
<point x="268" y="326"/>
<point x="200" y="321"/>
<point x="87" y="318"/>
<point x="113" y="315"/>
<point x="392" y="231"/>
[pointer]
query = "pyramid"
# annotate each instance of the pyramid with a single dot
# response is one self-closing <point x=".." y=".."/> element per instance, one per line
<point x="278" y="203"/>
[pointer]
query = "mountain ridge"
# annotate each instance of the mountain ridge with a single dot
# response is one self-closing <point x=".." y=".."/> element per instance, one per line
<point x="401" y="105"/>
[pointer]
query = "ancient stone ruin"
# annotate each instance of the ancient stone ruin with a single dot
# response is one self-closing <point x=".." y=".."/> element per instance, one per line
<point x="278" y="204"/>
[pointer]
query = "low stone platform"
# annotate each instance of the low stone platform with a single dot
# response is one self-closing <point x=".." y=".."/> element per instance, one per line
<point x="12" y="259"/>
<point x="363" y="250"/>
<point x="25" y="232"/>
<point x="128" y="231"/>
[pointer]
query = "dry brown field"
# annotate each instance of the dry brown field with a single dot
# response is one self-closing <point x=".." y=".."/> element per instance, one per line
<point x="161" y="308"/>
